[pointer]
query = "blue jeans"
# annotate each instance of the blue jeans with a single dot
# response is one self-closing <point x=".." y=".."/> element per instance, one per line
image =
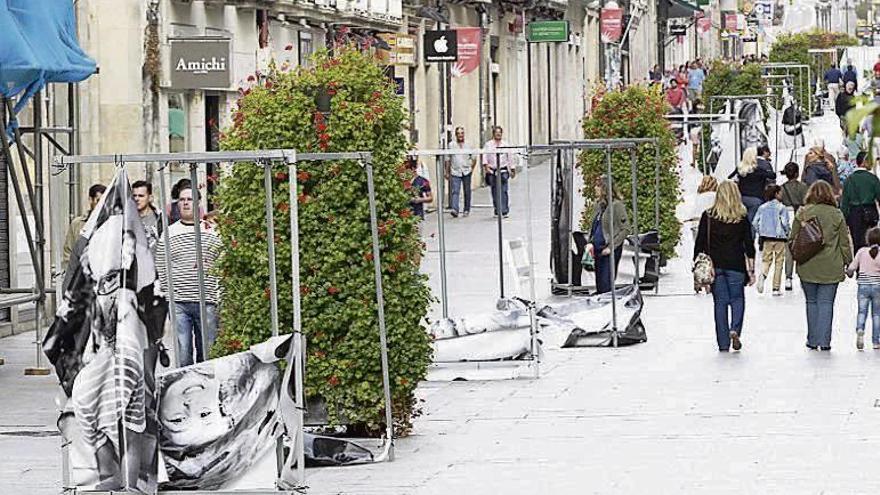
<point x="752" y="204"/>
<point x="188" y="330"/>
<point x="604" y="279"/>
<point x="820" y="312"/>
<point x="493" y="183"/>
<point x="457" y="184"/>
<point x="728" y="292"/>
<point x="869" y="295"/>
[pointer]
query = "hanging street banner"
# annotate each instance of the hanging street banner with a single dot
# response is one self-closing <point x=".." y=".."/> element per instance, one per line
<point x="468" y="51"/>
<point x="440" y="46"/>
<point x="547" y="31"/>
<point x="704" y="25"/>
<point x="611" y="25"/>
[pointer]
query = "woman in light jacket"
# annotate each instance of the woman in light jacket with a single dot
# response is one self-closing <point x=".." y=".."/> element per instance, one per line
<point x="821" y="274"/>
<point x="608" y="230"/>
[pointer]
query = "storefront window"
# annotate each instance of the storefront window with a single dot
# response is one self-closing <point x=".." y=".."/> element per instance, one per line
<point x="177" y="124"/>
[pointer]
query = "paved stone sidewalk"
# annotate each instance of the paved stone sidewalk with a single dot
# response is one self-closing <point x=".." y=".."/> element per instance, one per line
<point x="669" y="416"/>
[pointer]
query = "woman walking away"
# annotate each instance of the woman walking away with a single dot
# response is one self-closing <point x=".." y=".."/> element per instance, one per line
<point x="752" y="181"/>
<point x="608" y="230"/>
<point x="820" y="165"/>
<point x="793" y="194"/>
<point x="821" y="273"/>
<point x="772" y="226"/>
<point x="867" y="264"/>
<point x="725" y="235"/>
<point x="705" y="199"/>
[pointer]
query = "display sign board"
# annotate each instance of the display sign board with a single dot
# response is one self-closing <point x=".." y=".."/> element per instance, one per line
<point x="730" y="21"/>
<point x="547" y="31"/>
<point x="440" y="46"/>
<point x="402" y="49"/>
<point x="611" y="24"/>
<point x="469" y="39"/>
<point x="678" y="30"/>
<point x="200" y="64"/>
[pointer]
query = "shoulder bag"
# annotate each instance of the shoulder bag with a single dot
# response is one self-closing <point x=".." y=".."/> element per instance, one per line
<point x="808" y="242"/>
<point x="704" y="267"/>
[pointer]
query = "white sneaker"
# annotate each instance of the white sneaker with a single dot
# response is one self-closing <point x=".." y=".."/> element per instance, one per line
<point x="760" y="284"/>
<point x="860" y="341"/>
<point x="777" y="292"/>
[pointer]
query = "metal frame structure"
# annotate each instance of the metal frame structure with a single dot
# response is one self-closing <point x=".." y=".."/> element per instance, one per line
<point x="568" y="148"/>
<point x="703" y="119"/>
<point x="265" y="159"/>
<point x="800" y="68"/>
<point x="440" y="157"/>
<point x="734" y="98"/>
<point x="31" y="198"/>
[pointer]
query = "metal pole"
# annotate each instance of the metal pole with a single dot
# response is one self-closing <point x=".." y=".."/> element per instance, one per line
<point x="200" y="262"/>
<point x="568" y="169"/>
<point x="380" y="304"/>
<point x="499" y="215"/>
<point x="776" y="122"/>
<point x="529" y="88"/>
<point x="549" y="100"/>
<point x="163" y="198"/>
<point x="634" y="172"/>
<point x="72" y="179"/>
<point x="533" y="321"/>
<point x="610" y="206"/>
<point x="299" y="350"/>
<point x="270" y="242"/>
<point x="441" y="228"/>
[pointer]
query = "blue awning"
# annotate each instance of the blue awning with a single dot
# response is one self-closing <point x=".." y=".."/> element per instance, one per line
<point x="40" y="46"/>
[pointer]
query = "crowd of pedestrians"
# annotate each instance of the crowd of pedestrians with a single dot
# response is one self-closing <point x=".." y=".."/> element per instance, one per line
<point x="812" y="223"/>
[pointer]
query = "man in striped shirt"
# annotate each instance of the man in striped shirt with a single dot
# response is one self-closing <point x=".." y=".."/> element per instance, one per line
<point x="184" y="279"/>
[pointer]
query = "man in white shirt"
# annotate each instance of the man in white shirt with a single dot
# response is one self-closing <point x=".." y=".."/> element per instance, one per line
<point x="499" y="168"/>
<point x="459" y="169"/>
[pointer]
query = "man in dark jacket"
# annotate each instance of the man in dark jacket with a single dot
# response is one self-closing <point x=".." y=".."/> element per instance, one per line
<point x="764" y="161"/>
<point x="845" y="102"/>
<point x="861" y="194"/>
<point x="851" y="76"/>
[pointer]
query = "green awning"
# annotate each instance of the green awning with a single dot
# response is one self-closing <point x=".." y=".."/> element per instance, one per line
<point x="682" y="8"/>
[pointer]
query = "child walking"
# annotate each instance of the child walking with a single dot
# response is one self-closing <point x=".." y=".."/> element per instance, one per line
<point x="772" y="226"/>
<point x="867" y="263"/>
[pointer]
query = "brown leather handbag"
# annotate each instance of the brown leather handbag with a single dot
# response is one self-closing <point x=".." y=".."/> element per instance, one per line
<point x="808" y="242"/>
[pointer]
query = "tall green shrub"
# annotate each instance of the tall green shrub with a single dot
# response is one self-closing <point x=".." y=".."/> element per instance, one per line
<point x="636" y="112"/>
<point x="337" y="277"/>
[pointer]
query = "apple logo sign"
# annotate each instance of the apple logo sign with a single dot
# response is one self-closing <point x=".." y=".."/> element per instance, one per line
<point x="441" y="45"/>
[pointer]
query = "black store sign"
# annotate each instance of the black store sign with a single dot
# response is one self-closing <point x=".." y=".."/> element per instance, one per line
<point x="440" y="46"/>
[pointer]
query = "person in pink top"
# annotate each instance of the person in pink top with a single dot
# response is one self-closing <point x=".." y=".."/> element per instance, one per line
<point x="867" y="264"/>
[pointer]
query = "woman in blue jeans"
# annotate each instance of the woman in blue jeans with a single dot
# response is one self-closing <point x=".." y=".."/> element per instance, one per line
<point x="725" y="234"/>
<point x="821" y="274"/>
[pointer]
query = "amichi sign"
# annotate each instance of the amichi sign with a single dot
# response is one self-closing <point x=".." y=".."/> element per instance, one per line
<point x="200" y="64"/>
<point x="547" y="31"/>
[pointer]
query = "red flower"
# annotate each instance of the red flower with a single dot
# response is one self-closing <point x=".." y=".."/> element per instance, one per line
<point x="281" y="176"/>
<point x="400" y="257"/>
<point x="303" y="176"/>
<point x="302" y="198"/>
<point x="288" y="47"/>
<point x="235" y="345"/>
<point x="324" y="136"/>
<point x="332" y="290"/>
<point x="321" y="127"/>
<point x="283" y="207"/>
<point x="402" y="381"/>
<point x="234" y="244"/>
<point x="267" y="293"/>
<point x="323" y="146"/>
<point x="376" y="95"/>
<point x="269" y="84"/>
<point x="304" y="290"/>
<point x="331" y="92"/>
<point x="251" y="78"/>
<point x="368" y="256"/>
<point x="333" y="380"/>
<point x="405" y="213"/>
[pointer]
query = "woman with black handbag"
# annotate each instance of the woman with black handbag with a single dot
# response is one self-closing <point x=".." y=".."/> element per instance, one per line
<point x="724" y="241"/>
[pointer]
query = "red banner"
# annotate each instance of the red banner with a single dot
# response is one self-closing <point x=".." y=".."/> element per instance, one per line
<point x="730" y="23"/>
<point x="468" y="51"/>
<point x="704" y="25"/>
<point x="611" y="24"/>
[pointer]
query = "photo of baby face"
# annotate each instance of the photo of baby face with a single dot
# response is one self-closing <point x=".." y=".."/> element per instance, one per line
<point x="190" y="412"/>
